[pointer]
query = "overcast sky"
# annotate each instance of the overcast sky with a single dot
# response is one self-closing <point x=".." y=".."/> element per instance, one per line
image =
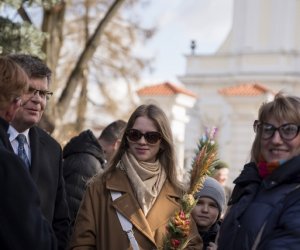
<point x="178" y="22"/>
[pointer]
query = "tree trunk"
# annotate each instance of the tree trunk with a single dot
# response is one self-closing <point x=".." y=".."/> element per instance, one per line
<point x="52" y="24"/>
<point x="85" y="56"/>
<point x="82" y="103"/>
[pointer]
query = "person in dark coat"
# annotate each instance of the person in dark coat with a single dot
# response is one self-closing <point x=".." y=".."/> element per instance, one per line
<point x="83" y="158"/>
<point x="22" y="225"/>
<point x="265" y="202"/>
<point x="207" y="213"/>
<point x="43" y="152"/>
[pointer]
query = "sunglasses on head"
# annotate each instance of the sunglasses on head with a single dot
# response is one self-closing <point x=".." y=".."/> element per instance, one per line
<point x="134" y="135"/>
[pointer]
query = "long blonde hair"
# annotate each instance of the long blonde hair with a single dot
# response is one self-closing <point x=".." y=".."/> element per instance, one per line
<point x="166" y="154"/>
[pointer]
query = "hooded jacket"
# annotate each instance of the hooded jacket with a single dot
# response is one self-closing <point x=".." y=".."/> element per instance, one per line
<point x="83" y="158"/>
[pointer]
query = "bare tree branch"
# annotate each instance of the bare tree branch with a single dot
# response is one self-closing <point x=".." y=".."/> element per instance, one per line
<point x="22" y="12"/>
<point x="85" y="56"/>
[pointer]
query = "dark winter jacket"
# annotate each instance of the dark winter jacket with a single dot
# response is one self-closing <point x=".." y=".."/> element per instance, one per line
<point x="210" y="235"/>
<point x="83" y="158"/>
<point x="264" y="211"/>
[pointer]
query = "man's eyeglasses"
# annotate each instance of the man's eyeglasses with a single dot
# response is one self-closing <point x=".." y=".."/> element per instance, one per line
<point x="44" y="94"/>
<point x="287" y="131"/>
<point x="134" y="135"/>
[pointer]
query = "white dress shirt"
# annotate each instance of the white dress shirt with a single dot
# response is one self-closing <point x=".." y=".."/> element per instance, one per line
<point x="13" y="133"/>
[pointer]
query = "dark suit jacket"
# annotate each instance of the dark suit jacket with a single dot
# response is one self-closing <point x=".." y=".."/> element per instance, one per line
<point x="3" y="134"/>
<point x="22" y="224"/>
<point x="46" y="171"/>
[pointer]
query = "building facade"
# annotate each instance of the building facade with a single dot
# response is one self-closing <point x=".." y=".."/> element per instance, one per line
<point x="260" y="57"/>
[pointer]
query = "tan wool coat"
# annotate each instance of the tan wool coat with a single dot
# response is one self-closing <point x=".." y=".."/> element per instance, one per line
<point x="98" y="227"/>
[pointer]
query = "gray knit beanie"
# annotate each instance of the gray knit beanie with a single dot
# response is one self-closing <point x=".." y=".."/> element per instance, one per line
<point x="214" y="190"/>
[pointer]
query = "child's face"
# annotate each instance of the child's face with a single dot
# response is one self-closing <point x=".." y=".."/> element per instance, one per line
<point x="205" y="213"/>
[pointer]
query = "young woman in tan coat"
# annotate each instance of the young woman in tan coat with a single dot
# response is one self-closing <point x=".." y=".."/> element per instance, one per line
<point x="143" y="174"/>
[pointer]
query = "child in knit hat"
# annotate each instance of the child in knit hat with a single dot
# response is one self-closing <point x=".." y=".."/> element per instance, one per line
<point x="208" y="211"/>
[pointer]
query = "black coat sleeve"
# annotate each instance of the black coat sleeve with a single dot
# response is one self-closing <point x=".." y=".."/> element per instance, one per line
<point x="22" y="223"/>
<point x="61" y="218"/>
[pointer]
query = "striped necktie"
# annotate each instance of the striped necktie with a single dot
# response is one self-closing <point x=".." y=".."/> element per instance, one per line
<point x="21" y="150"/>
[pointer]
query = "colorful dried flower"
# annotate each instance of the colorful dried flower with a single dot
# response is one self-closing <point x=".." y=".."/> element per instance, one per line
<point x="178" y="228"/>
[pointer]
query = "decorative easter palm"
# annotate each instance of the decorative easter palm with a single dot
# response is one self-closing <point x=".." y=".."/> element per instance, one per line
<point x="178" y="228"/>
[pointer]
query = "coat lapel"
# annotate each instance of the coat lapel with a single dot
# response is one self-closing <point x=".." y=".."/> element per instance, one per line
<point x="4" y="137"/>
<point x="166" y="200"/>
<point x="127" y="204"/>
<point x="35" y="152"/>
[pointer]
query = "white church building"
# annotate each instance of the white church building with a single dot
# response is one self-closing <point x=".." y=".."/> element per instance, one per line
<point x="259" y="57"/>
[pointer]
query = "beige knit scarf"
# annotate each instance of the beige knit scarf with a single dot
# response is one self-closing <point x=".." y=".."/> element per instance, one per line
<point x="146" y="179"/>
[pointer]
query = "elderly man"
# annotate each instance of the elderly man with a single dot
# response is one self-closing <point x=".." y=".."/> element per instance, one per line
<point x="43" y="154"/>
